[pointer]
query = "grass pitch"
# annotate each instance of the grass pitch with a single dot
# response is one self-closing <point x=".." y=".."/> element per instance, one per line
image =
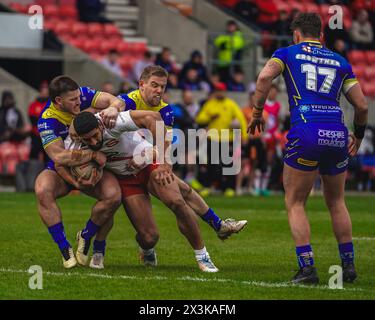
<point x="255" y="264"/>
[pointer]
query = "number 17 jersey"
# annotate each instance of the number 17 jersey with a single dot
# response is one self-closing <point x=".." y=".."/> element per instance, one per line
<point x="314" y="77"/>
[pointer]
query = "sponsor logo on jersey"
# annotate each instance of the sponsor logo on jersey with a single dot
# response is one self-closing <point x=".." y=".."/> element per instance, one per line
<point x="307" y="49"/>
<point x="331" y="134"/>
<point x="335" y="143"/>
<point x="304" y="109"/>
<point x="343" y="164"/>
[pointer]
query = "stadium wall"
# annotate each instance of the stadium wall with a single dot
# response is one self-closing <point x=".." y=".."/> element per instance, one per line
<point x="168" y="28"/>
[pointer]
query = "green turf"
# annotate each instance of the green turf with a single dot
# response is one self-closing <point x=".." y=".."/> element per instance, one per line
<point x="251" y="264"/>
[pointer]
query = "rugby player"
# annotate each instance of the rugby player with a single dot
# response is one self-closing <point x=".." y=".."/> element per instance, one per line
<point x="67" y="100"/>
<point x="137" y="178"/>
<point x="318" y="142"/>
<point x="152" y="85"/>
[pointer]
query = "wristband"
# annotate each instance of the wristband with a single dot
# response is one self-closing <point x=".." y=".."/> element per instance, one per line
<point x="359" y="131"/>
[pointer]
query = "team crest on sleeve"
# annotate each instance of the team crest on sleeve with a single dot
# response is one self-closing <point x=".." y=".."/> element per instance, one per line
<point x="307" y="49"/>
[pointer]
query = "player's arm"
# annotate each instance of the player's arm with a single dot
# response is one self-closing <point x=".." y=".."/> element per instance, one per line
<point x="65" y="173"/>
<point x="357" y="99"/>
<point x="109" y="107"/>
<point x="270" y="71"/>
<point x="70" y="158"/>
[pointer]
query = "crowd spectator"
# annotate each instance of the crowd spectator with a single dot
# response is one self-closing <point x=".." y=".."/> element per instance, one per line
<point x="126" y="87"/>
<point x="339" y="47"/>
<point x="361" y="32"/>
<point x="34" y="110"/>
<point x="229" y="48"/>
<point x="236" y="83"/>
<point x="12" y="126"/>
<point x="92" y="11"/>
<point x="111" y="63"/>
<point x="196" y="63"/>
<point x="191" y="81"/>
<point x="108" y="87"/>
<point x="220" y="112"/>
<point x="247" y="10"/>
<point x="140" y="65"/>
<point x="282" y="29"/>
<point x="165" y="60"/>
<point x="331" y="35"/>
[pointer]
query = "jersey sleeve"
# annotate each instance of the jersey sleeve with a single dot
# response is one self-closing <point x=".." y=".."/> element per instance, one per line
<point x="88" y="97"/>
<point x="167" y="115"/>
<point x="280" y="56"/>
<point x="129" y="103"/>
<point x="350" y="79"/>
<point x="48" y="131"/>
<point x="124" y="123"/>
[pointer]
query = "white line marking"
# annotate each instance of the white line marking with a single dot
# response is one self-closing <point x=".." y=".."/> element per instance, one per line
<point x="186" y="278"/>
<point x="364" y="238"/>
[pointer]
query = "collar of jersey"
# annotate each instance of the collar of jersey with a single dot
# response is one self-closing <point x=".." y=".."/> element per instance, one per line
<point x="64" y="117"/>
<point x="313" y="42"/>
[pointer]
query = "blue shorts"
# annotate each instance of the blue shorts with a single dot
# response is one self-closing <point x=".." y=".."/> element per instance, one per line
<point x="322" y="146"/>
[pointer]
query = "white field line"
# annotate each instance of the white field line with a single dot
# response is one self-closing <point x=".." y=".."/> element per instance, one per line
<point x="185" y="279"/>
<point x="364" y="238"/>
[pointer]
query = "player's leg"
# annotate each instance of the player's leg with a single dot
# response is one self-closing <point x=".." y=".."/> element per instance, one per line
<point x="334" y="189"/>
<point x="223" y="228"/>
<point x="171" y="196"/>
<point x="297" y="185"/>
<point x="49" y="187"/>
<point x="108" y="194"/>
<point x="139" y="211"/>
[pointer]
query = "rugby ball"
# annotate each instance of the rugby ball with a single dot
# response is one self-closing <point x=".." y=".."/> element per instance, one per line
<point x="84" y="170"/>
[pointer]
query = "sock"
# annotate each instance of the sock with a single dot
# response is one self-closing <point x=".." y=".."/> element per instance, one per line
<point x="90" y="230"/>
<point x="148" y="252"/>
<point x="200" y="254"/>
<point x="212" y="219"/>
<point x="346" y="253"/>
<point x="99" y="246"/>
<point x="305" y="256"/>
<point x="58" y="235"/>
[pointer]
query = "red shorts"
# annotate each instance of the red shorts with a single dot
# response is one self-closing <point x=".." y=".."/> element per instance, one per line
<point x="136" y="184"/>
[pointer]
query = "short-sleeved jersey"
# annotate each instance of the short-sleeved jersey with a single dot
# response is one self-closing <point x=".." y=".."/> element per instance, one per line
<point x="53" y="124"/>
<point x="315" y="78"/>
<point x="134" y="101"/>
<point x="120" y="144"/>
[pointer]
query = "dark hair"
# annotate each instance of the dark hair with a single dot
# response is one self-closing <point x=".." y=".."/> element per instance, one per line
<point x="6" y="94"/>
<point x="85" y="122"/>
<point x="309" y="24"/>
<point x="61" y="85"/>
<point x="113" y="51"/>
<point x="156" y="71"/>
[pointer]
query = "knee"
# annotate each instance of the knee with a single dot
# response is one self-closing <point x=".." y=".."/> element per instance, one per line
<point x="333" y="203"/>
<point x="177" y="205"/>
<point x="43" y="194"/>
<point x="113" y="201"/>
<point x="149" y="239"/>
<point x="185" y="190"/>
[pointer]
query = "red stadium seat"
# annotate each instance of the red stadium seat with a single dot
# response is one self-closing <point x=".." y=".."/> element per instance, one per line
<point x="356" y="57"/>
<point x="50" y="24"/>
<point x="10" y="158"/>
<point x="68" y="12"/>
<point x="79" y="28"/>
<point x="45" y="2"/>
<point x="370" y="57"/>
<point x="78" y="42"/>
<point x="51" y="11"/>
<point x="63" y="28"/>
<point x="92" y="46"/>
<point x="107" y="45"/>
<point x="23" y="151"/>
<point x="19" y="7"/>
<point x="95" y="29"/>
<point x="368" y="88"/>
<point x="370" y="72"/>
<point x="123" y="47"/>
<point x="311" y="8"/>
<point x="139" y="48"/>
<point x="359" y="70"/>
<point x="111" y="30"/>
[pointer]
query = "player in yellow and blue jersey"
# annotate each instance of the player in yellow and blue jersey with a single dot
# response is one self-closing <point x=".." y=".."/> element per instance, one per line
<point x="318" y="142"/>
<point x="148" y="97"/>
<point x="67" y="100"/>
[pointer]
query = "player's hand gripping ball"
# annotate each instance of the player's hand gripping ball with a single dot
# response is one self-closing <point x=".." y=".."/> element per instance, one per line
<point x="87" y="174"/>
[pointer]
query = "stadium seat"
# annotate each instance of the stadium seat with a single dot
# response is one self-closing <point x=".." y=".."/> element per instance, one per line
<point x="23" y="151"/>
<point x="359" y="70"/>
<point x="78" y="42"/>
<point x="370" y="73"/>
<point x="45" y="2"/>
<point x="91" y="46"/>
<point x="123" y="47"/>
<point x="108" y="45"/>
<point x="311" y="8"/>
<point x="68" y="12"/>
<point x="79" y="28"/>
<point x="63" y="28"/>
<point x="138" y="48"/>
<point x="10" y="158"/>
<point x="19" y="7"/>
<point x="282" y="6"/>
<point x="95" y="29"/>
<point x="356" y="57"/>
<point x="50" y="24"/>
<point x="368" y="88"/>
<point x="370" y="57"/>
<point x="51" y="11"/>
<point x="111" y="30"/>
